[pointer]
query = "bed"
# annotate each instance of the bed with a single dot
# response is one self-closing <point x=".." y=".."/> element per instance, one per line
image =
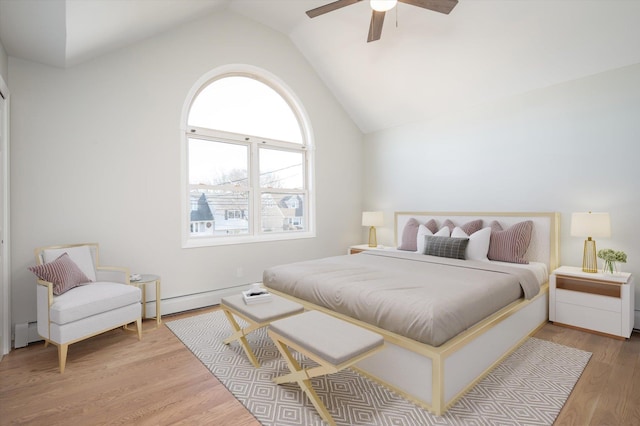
<point x="446" y="321"/>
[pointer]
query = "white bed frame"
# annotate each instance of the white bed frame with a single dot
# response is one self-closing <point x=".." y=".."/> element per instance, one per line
<point x="436" y="377"/>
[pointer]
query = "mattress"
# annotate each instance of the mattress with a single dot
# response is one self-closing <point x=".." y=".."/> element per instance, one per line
<point x="425" y="298"/>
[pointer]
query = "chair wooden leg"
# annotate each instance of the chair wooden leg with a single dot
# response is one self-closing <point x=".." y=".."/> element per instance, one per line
<point x="62" y="356"/>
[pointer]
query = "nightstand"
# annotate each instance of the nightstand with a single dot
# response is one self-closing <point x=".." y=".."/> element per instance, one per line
<point x="595" y="302"/>
<point x="362" y="247"/>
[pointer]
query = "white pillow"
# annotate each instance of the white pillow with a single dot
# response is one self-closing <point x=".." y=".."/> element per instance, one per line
<point x="478" y="246"/>
<point x="423" y="231"/>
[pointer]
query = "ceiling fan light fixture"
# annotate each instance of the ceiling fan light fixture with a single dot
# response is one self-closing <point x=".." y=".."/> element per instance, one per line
<point x="383" y="5"/>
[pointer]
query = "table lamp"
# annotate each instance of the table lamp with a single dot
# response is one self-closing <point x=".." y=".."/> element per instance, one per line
<point x="372" y="219"/>
<point x="590" y="225"/>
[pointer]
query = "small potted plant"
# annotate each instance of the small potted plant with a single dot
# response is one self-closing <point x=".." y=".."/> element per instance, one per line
<point x="611" y="258"/>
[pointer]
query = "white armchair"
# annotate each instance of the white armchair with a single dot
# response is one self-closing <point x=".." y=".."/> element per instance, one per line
<point x="82" y="310"/>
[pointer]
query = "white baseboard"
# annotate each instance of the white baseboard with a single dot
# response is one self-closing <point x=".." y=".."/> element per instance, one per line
<point x="25" y="333"/>
<point x="193" y="301"/>
<point x="21" y="335"/>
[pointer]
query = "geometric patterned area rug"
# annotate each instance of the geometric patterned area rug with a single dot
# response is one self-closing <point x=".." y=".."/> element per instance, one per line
<point x="528" y="388"/>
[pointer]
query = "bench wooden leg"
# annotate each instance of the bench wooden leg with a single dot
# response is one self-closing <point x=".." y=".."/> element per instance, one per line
<point x="307" y="373"/>
<point x="302" y="377"/>
<point x="239" y="335"/>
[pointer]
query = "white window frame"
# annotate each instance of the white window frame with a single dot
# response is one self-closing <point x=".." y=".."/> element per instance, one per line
<point x="254" y="236"/>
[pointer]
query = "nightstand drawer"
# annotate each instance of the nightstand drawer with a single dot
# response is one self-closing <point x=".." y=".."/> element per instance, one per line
<point x="585" y="285"/>
<point x="589" y="318"/>
<point x="601" y="303"/>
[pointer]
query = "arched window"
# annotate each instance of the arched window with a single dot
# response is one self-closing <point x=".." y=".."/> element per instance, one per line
<point x="248" y="161"/>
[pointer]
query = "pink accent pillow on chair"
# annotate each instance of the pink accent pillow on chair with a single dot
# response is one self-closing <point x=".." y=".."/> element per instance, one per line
<point x="62" y="272"/>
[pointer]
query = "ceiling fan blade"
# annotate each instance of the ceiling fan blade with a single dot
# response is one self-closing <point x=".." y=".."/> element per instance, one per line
<point x="442" y="6"/>
<point x="330" y="7"/>
<point x="375" y="28"/>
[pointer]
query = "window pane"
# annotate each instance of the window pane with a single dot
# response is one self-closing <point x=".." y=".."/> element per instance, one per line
<point x="282" y="212"/>
<point x="281" y="169"/>
<point x="246" y="106"/>
<point x="219" y="213"/>
<point x="217" y="163"/>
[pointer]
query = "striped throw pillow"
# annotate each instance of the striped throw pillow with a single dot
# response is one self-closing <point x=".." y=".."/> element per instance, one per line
<point x="510" y="245"/>
<point x="62" y="272"/>
<point x="446" y="246"/>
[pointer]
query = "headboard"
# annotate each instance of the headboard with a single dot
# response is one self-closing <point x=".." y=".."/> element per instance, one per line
<point x="544" y="237"/>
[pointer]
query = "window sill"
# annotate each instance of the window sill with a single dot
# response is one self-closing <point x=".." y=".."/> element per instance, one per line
<point x="191" y="242"/>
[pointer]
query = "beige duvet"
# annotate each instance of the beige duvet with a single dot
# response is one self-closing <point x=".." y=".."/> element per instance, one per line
<point x="425" y="298"/>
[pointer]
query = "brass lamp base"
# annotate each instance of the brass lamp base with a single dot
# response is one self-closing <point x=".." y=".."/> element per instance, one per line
<point x="373" y="241"/>
<point x="589" y="261"/>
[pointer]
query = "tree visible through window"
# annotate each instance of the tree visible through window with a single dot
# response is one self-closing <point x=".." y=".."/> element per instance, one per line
<point x="248" y="164"/>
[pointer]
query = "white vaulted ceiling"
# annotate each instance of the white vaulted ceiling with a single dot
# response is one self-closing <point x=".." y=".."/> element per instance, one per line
<point x="425" y="65"/>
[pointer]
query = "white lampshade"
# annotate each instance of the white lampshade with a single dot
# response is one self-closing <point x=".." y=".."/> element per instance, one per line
<point x="383" y="5"/>
<point x="590" y="225"/>
<point x="372" y="219"/>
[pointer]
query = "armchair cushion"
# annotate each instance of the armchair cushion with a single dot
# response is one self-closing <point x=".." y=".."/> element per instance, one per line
<point x="81" y="255"/>
<point x="89" y="300"/>
<point x="62" y="272"/>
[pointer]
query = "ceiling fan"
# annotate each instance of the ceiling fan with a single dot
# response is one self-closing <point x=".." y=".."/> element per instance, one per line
<point x="380" y="7"/>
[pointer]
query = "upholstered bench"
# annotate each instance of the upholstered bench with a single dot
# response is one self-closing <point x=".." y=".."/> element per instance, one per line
<point x="257" y="315"/>
<point x="332" y="343"/>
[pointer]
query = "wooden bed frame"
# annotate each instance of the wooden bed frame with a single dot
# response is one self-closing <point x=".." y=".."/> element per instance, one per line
<point x="436" y="377"/>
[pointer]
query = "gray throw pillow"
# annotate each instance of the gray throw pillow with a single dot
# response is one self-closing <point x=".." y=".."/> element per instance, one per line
<point x="445" y="246"/>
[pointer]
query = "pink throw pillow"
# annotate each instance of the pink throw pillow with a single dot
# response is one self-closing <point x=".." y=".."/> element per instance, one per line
<point x="62" y="272"/>
<point x="510" y="245"/>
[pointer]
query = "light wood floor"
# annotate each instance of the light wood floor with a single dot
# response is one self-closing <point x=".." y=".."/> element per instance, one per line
<point x="114" y="379"/>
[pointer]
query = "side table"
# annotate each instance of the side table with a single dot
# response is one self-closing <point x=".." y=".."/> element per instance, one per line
<point x="596" y="302"/>
<point x="142" y="284"/>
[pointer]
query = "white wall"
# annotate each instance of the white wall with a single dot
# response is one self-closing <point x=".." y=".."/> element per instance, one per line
<point x="4" y="64"/>
<point x="567" y="148"/>
<point x="96" y="157"/>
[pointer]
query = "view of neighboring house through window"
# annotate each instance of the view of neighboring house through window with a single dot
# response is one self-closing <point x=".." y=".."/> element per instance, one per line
<point x="248" y="163"/>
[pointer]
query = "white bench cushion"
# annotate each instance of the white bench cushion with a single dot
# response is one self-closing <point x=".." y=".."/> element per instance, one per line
<point x="330" y="338"/>
<point x="277" y="307"/>
<point x="91" y="299"/>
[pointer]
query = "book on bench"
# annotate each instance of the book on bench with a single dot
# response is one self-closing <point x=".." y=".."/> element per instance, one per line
<point x="256" y="296"/>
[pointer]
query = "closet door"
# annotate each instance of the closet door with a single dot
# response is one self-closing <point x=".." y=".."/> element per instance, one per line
<point x="5" y="281"/>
